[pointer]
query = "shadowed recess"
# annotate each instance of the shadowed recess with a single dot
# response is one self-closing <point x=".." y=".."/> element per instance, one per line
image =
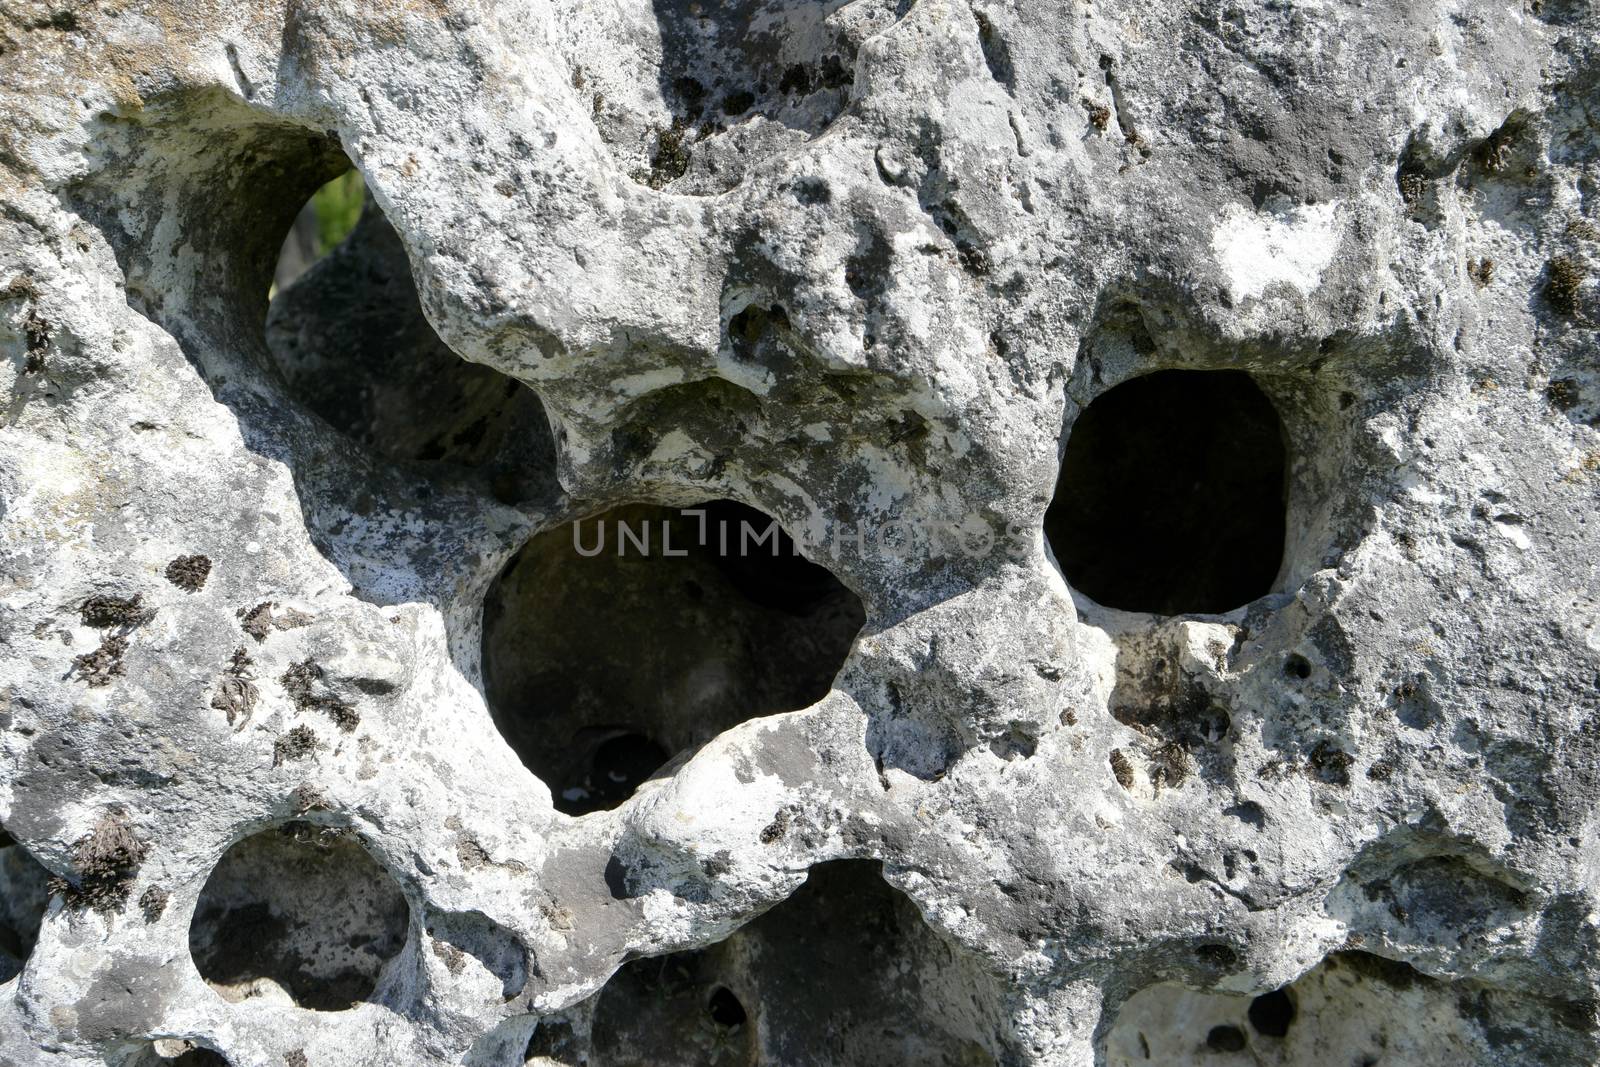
<point x="843" y="973"/>
<point x="606" y="656"/>
<point x="24" y="894"/>
<point x="346" y="332"/>
<point x="1172" y="495"/>
<point x="300" y="914"/>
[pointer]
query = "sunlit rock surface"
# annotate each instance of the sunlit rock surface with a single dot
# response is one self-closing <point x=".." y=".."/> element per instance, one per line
<point x="1188" y="412"/>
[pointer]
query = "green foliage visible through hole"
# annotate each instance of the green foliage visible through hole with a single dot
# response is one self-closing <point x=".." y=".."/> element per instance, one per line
<point x="338" y="207"/>
<point x="325" y="221"/>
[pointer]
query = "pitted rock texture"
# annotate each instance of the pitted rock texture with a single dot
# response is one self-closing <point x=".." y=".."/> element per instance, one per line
<point x="1315" y="783"/>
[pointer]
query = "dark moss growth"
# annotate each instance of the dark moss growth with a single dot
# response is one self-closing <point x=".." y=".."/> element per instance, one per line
<point x="1565" y="277"/>
<point x="103" y="612"/>
<point x="297" y="744"/>
<point x="671" y="159"/>
<point x="257" y="622"/>
<point x="453" y="958"/>
<point x="296" y="1058"/>
<point x="1481" y="271"/>
<point x="107" y="860"/>
<point x="1563" y="393"/>
<point x="1413" y="187"/>
<point x="303" y="683"/>
<point x="813" y="192"/>
<point x="99" y="667"/>
<point x="973" y="259"/>
<point x="775" y="829"/>
<point x="1122" y="768"/>
<point x="1170" y="765"/>
<point x="189" y="573"/>
<point x="1330" y="763"/>
<point x="37" y="332"/>
<point x="1099" y="117"/>
<point x="236" y="694"/>
<point x="1494" y="154"/>
<point x="153" y="903"/>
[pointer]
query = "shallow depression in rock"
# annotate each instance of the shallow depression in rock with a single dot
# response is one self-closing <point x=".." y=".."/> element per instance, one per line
<point x="606" y="655"/>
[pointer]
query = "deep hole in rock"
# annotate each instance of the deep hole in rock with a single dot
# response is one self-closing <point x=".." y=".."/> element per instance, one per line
<point x="1271" y="1013"/>
<point x="24" y="894"/>
<point x="725" y="1009"/>
<point x="346" y="332"/>
<point x="606" y="655"/>
<point x="1172" y="494"/>
<point x="298" y="914"/>
<point x="844" y="972"/>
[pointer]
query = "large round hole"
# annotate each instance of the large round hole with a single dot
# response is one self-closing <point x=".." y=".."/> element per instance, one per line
<point x="1271" y="1013"/>
<point x="1172" y="495"/>
<point x="613" y="643"/>
<point x="24" y="894"/>
<point x="297" y="914"/>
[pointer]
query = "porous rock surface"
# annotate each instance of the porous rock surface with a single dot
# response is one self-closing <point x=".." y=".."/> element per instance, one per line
<point x="849" y="263"/>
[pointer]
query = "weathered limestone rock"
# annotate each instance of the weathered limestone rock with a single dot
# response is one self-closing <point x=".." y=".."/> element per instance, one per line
<point x="290" y="630"/>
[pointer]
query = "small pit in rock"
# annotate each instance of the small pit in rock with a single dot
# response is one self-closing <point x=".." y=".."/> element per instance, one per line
<point x="300" y="914"/>
<point x="1172" y="496"/>
<point x="613" y="643"/>
<point x="24" y="894"/>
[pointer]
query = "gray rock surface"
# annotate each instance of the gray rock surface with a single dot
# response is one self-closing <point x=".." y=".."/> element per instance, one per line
<point x="858" y="266"/>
